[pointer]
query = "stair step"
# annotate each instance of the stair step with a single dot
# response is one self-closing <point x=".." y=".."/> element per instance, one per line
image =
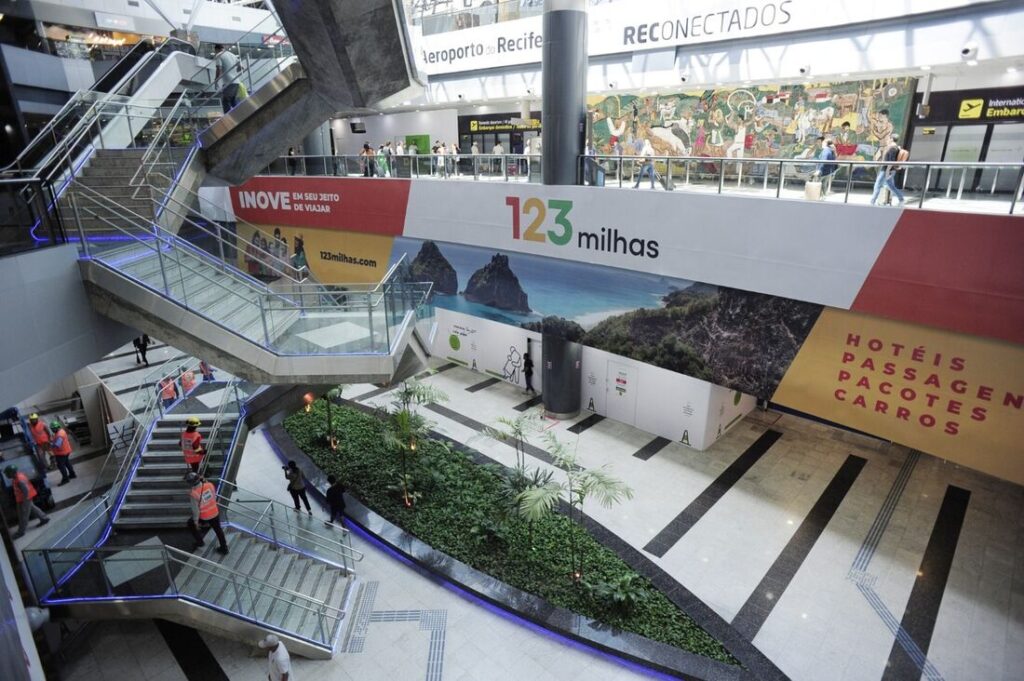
<point x="152" y="522"/>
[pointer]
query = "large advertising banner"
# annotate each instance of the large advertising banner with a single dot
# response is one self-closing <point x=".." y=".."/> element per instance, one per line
<point x="952" y="395"/>
<point x="323" y="202"/>
<point x="487" y="40"/>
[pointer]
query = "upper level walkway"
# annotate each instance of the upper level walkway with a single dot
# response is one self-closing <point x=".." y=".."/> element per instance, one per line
<point x="991" y="188"/>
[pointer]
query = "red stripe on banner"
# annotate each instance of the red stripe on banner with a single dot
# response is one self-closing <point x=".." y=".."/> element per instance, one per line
<point x="954" y="271"/>
<point x="359" y="205"/>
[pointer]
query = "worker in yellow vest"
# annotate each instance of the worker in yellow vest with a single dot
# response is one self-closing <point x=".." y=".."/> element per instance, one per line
<point x="60" y="447"/>
<point x="192" y="444"/>
<point x="24" y="493"/>
<point x="204" y="512"/>
<point x="40" y="438"/>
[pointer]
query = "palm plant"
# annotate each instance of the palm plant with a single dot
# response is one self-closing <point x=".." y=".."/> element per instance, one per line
<point x="577" y="486"/>
<point x="517" y="431"/>
<point x="406" y="427"/>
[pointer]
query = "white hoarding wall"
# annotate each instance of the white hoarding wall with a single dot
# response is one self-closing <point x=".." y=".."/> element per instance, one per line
<point x="656" y="24"/>
<point x="713" y="239"/>
<point x="489" y="347"/>
<point x="658" y="401"/>
<point x="726" y="408"/>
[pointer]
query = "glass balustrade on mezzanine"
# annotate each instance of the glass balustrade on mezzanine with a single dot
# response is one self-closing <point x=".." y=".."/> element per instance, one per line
<point x="995" y="188"/>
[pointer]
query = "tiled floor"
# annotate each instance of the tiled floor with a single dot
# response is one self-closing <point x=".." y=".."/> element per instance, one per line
<point x="842" y="604"/>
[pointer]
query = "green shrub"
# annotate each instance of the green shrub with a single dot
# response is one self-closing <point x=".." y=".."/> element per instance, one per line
<point x="463" y="513"/>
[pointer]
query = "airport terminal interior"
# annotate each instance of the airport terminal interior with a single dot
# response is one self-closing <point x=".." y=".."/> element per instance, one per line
<point x="471" y="340"/>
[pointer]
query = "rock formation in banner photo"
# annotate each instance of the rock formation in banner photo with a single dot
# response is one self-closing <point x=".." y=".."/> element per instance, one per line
<point x="431" y="265"/>
<point x="557" y="326"/>
<point x="733" y="338"/>
<point x="495" y="284"/>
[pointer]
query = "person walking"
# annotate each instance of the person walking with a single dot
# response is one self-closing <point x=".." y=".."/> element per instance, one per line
<point x="367" y="158"/>
<point x="227" y="69"/>
<point x="827" y="169"/>
<point x="24" y="493"/>
<point x="205" y="514"/>
<point x="279" y="664"/>
<point x="399" y="149"/>
<point x="192" y="444"/>
<point x="528" y="372"/>
<point x="336" y="500"/>
<point x="206" y="370"/>
<point x="297" y="485"/>
<point x="61" y="449"/>
<point x="887" y="173"/>
<point x="188" y="380"/>
<point x="647" y="151"/>
<point x="141" y="343"/>
<point x="41" y="437"/>
<point x="168" y="391"/>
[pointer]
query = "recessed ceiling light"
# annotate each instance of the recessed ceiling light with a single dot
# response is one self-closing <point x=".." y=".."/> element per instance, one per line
<point x="972" y="62"/>
<point x="1011" y="69"/>
<point x="926" y="68"/>
<point x="407" y="102"/>
<point x="747" y="82"/>
<point x="845" y="75"/>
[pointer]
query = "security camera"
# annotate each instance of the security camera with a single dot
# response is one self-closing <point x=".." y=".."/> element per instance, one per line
<point x="682" y="77"/>
<point x="529" y="91"/>
<point x="805" y="70"/>
<point x="611" y="85"/>
<point x="461" y="97"/>
<point x="969" y="51"/>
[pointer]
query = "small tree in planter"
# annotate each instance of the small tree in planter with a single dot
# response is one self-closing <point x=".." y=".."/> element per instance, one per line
<point x="332" y="396"/>
<point x="406" y="428"/>
<point x="577" y="486"/>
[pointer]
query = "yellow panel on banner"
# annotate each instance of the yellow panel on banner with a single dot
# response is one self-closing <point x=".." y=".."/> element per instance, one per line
<point x="333" y="257"/>
<point x="955" y="396"/>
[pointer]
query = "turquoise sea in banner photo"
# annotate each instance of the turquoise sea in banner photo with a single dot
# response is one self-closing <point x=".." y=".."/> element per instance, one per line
<point x="583" y="293"/>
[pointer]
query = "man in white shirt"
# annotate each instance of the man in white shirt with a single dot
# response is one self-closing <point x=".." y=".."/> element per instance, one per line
<point x="227" y="69"/>
<point x="279" y="664"/>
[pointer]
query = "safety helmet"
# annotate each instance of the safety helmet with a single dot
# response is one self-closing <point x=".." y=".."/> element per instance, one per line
<point x="192" y="478"/>
<point x="11" y="471"/>
<point x="193" y="421"/>
<point x="55" y="425"/>
<point x="33" y="416"/>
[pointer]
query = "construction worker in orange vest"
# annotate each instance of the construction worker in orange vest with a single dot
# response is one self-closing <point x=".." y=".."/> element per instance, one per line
<point x="188" y="380"/>
<point x="204" y="511"/>
<point x="192" y="444"/>
<point x="168" y="391"/>
<point x="24" y="493"/>
<point x="61" y="449"/>
<point x="40" y="437"/>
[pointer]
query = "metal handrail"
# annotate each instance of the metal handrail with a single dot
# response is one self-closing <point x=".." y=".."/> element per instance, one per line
<point x="277" y="504"/>
<point x="230" y="391"/>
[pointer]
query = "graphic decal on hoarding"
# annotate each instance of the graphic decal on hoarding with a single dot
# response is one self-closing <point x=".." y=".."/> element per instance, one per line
<point x="333" y="258"/>
<point x="952" y="395"/>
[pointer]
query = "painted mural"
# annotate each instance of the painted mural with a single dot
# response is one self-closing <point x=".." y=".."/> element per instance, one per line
<point x="764" y="121"/>
<point x="738" y="339"/>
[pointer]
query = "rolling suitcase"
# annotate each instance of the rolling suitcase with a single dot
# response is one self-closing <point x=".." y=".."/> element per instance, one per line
<point x="812" y="190"/>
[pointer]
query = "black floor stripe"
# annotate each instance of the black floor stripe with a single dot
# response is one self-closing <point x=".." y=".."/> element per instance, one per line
<point x="191" y="652"/>
<point x="486" y="383"/>
<point x="689" y="516"/>
<point x="530" y="403"/>
<point x="926" y="596"/>
<point x="759" y="605"/>
<point x="373" y="393"/>
<point x="652" y="448"/>
<point x="430" y="372"/>
<point x="137" y="367"/>
<point x="586" y="423"/>
<point x="535" y="452"/>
